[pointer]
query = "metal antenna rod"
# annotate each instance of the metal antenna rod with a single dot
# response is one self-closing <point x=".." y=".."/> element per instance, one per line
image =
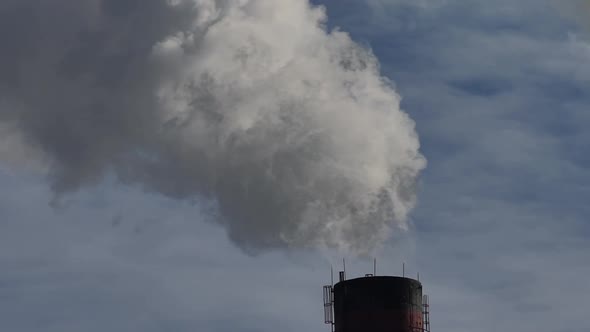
<point x="332" y="274"/>
<point x="403" y="269"/>
<point x="344" y="267"/>
<point x="374" y="267"/>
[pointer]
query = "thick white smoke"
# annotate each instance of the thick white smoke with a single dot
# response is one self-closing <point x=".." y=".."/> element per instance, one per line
<point x="252" y="103"/>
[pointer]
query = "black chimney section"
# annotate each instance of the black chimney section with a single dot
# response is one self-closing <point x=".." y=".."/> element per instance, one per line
<point x="378" y="304"/>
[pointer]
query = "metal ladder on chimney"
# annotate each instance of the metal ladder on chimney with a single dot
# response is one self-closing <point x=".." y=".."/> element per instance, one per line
<point x="329" y="306"/>
<point x="425" y="314"/>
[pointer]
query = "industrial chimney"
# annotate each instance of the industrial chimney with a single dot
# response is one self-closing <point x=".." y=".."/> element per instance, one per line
<point x="376" y="304"/>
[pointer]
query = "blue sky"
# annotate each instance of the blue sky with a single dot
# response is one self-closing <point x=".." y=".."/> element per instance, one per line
<point x="499" y="92"/>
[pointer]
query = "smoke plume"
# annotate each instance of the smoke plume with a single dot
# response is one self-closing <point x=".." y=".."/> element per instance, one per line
<point x="288" y="127"/>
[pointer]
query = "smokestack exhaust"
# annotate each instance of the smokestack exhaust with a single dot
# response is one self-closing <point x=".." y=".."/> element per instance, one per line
<point x="293" y="134"/>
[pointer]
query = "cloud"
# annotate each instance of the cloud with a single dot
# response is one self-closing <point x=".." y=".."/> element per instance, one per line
<point x="289" y="128"/>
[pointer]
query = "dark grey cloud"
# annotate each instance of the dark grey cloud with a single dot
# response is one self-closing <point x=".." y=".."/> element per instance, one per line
<point x="299" y="141"/>
<point x="76" y="79"/>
